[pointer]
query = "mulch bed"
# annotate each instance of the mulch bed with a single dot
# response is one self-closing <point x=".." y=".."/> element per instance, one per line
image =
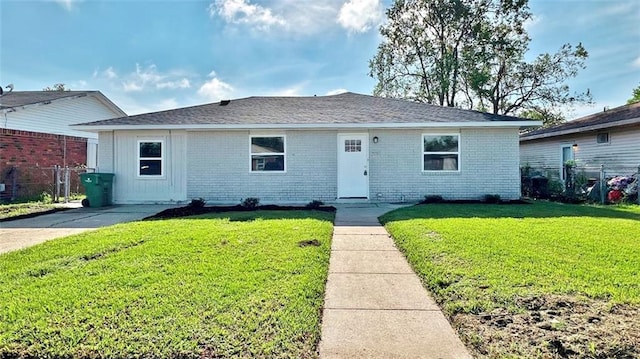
<point x="195" y="210"/>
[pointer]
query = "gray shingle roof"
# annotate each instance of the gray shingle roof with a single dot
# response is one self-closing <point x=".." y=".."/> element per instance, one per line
<point x="622" y="115"/>
<point x="346" y="108"/>
<point x="24" y="98"/>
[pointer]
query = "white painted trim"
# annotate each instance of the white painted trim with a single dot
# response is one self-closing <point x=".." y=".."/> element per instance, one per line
<point x="573" y="157"/>
<point x="601" y="126"/>
<point x="324" y="126"/>
<point x="163" y="157"/>
<point x="422" y="152"/>
<point x="284" y="154"/>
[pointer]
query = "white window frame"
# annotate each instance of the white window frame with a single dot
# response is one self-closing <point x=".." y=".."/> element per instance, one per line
<point x="161" y="158"/>
<point x="608" y="138"/>
<point x="423" y="152"/>
<point x="562" y="160"/>
<point x="284" y="154"/>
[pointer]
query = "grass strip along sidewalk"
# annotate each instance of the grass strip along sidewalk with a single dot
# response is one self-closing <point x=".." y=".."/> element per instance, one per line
<point x="538" y="280"/>
<point x="245" y="284"/>
<point x="23" y="210"/>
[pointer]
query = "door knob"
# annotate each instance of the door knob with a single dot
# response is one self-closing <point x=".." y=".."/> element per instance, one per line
<point x="365" y="172"/>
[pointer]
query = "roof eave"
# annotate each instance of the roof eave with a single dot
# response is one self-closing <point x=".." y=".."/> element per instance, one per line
<point x="314" y="126"/>
<point x="571" y="131"/>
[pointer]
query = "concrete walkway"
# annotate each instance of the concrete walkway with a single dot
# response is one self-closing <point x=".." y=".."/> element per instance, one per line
<point x="22" y="233"/>
<point x="375" y="305"/>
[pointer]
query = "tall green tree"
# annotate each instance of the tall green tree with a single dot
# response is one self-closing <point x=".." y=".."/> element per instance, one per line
<point x="471" y="54"/>
<point x="635" y="96"/>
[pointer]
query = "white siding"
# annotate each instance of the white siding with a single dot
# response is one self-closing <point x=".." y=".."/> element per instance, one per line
<point x="620" y="156"/>
<point x="488" y="165"/>
<point x="219" y="168"/>
<point x="56" y="117"/>
<point x="118" y="154"/>
<point x="215" y="165"/>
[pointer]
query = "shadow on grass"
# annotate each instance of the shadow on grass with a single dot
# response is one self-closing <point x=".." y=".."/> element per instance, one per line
<point x="535" y="210"/>
<point x="240" y="214"/>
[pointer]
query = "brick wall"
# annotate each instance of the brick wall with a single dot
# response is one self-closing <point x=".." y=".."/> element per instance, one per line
<point x="33" y="154"/>
<point x="488" y="165"/>
<point x="218" y="165"/>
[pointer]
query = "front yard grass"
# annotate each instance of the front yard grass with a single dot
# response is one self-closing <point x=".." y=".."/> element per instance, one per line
<point x="9" y="211"/>
<point x="530" y="280"/>
<point x="219" y="285"/>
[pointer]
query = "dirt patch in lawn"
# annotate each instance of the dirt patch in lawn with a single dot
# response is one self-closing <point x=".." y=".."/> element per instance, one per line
<point x="554" y="327"/>
<point x="195" y="210"/>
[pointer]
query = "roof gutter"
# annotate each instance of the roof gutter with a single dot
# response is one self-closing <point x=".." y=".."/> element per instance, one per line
<point x="43" y="103"/>
<point x="318" y="126"/>
<point x="571" y="131"/>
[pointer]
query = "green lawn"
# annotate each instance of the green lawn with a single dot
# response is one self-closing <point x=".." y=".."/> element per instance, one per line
<point x="475" y="258"/>
<point x="226" y="285"/>
<point x="20" y="209"/>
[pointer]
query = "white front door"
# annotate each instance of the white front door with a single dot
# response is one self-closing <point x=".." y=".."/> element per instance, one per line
<point x="353" y="165"/>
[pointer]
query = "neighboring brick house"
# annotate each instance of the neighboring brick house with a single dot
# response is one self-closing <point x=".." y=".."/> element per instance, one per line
<point x="298" y="149"/>
<point x="35" y="136"/>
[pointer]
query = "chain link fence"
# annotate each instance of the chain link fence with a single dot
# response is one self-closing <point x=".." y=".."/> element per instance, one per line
<point x="23" y="183"/>
<point x="574" y="183"/>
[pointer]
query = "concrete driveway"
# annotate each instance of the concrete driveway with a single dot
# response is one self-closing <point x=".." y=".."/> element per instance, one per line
<point x="23" y="233"/>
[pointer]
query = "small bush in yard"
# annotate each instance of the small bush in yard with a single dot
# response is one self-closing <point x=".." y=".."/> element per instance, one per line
<point x="197" y="203"/>
<point x="491" y="198"/>
<point x="432" y="199"/>
<point x="315" y="204"/>
<point x="250" y="203"/>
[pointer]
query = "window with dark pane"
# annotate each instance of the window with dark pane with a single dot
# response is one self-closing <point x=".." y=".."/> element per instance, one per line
<point x="441" y="152"/>
<point x="150" y="158"/>
<point x="352" y="146"/>
<point x="267" y="154"/>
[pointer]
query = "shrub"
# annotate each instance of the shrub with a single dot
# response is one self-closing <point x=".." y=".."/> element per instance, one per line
<point x="315" y="204"/>
<point x="45" y="197"/>
<point x="555" y="187"/>
<point x="491" y="198"/>
<point x="250" y="203"/>
<point x="432" y="199"/>
<point x="197" y="203"/>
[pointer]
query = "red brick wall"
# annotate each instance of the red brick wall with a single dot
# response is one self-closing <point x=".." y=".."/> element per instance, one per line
<point x="33" y="153"/>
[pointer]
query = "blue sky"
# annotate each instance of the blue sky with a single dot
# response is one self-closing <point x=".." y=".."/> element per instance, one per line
<point x="150" y="55"/>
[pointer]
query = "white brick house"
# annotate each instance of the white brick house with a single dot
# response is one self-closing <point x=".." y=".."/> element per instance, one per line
<point x="297" y="149"/>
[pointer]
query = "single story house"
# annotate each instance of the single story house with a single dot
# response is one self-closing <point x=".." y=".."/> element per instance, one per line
<point x="35" y="133"/>
<point x="297" y="149"/>
<point x="610" y="138"/>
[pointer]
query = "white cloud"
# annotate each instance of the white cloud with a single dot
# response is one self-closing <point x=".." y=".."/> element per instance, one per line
<point x="243" y="12"/>
<point x="110" y="73"/>
<point x="360" y="15"/>
<point x="67" y="4"/>
<point x="145" y="78"/>
<point x="293" y="91"/>
<point x="532" y="22"/>
<point x="131" y="86"/>
<point x="166" y="104"/>
<point x="181" y="84"/>
<point x="215" y="90"/>
<point x="299" y="17"/>
<point x="636" y="62"/>
<point x="336" y="92"/>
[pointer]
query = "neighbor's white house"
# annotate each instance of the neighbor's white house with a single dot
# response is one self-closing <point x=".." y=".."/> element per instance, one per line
<point x="610" y="138"/>
<point x="298" y="149"/>
<point x="38" y="114"/>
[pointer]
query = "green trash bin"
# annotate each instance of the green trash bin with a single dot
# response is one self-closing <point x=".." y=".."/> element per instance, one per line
<point x="99" y="189"/>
